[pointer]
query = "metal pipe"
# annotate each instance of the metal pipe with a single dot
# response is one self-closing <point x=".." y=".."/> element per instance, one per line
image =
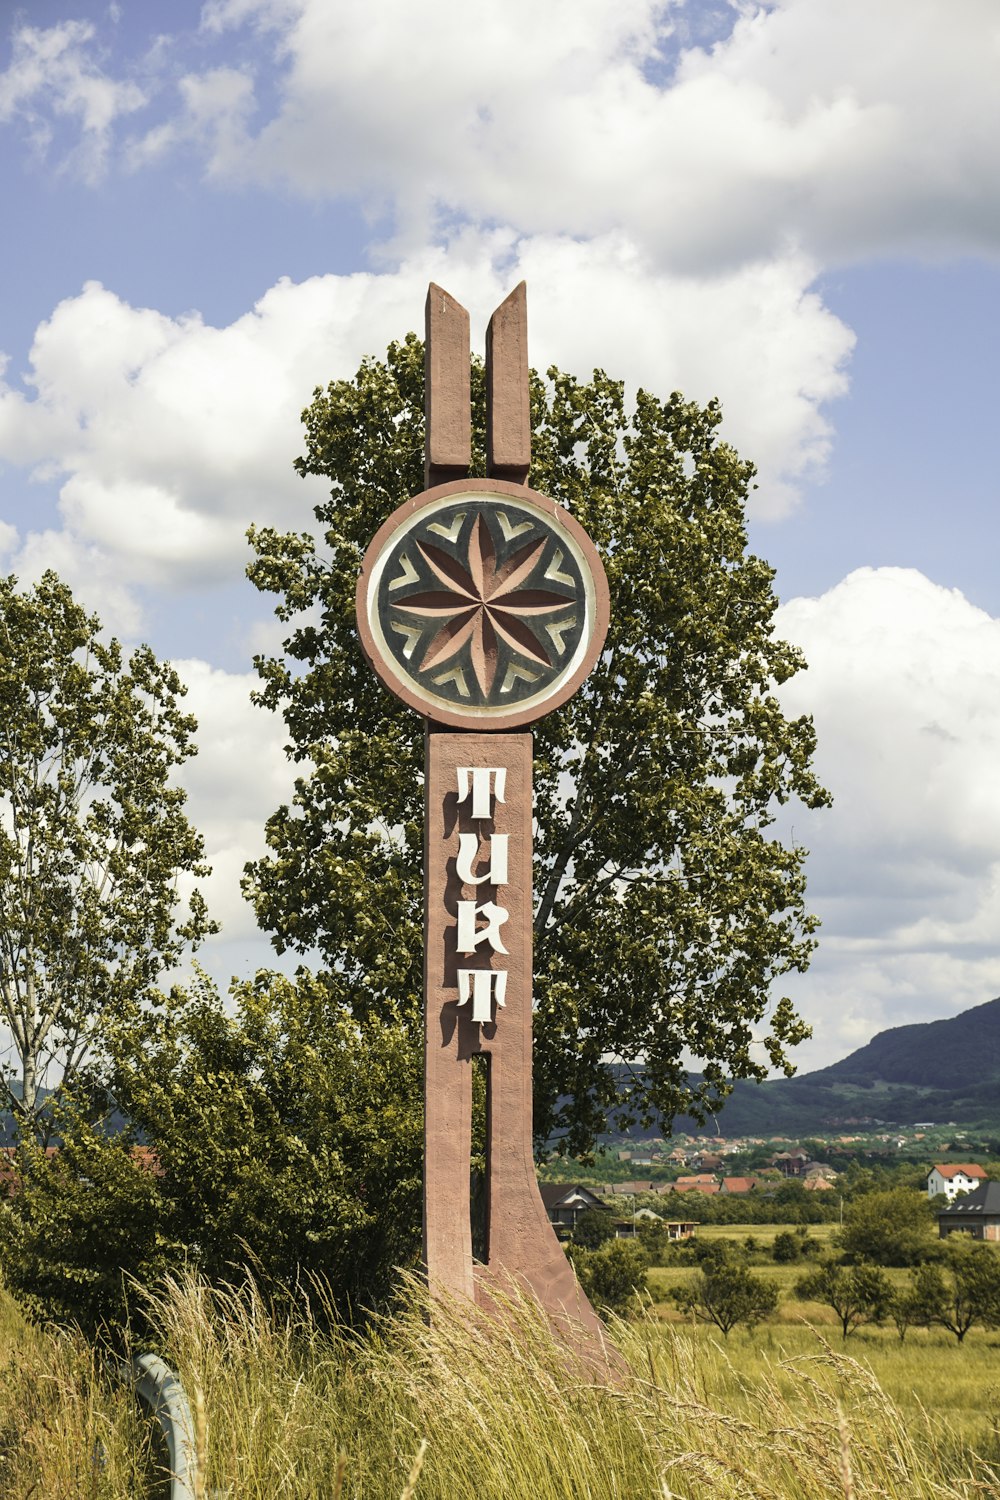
<point x="161" y="1390"/>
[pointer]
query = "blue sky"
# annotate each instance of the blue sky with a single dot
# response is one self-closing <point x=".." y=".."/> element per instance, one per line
<point x="210" y="208"/>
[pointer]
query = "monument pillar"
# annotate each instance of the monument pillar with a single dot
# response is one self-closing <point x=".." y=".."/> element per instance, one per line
<point x="483" y="605"/>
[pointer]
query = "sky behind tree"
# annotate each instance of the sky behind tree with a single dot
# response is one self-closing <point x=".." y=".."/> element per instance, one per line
<point x="213" y="208"/>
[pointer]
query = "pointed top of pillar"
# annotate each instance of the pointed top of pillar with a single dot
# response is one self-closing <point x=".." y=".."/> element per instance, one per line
<point x="447" y="393"/>
<point x="508" y="405"/>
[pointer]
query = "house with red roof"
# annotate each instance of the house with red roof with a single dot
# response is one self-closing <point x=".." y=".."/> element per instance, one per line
<point x="739" y="1185"/>
<point x="703" y="1183"/>
<point x="951" y="1181"/>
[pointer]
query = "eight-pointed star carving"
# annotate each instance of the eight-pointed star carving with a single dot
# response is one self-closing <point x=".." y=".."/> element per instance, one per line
<point x="480" y="603"/>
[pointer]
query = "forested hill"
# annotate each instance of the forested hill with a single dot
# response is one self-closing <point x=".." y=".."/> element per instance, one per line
<point x="936" y="1070"/>
<point x="935" y="1054"/>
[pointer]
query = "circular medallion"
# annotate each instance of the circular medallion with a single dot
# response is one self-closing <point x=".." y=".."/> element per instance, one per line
<point x="482" y="603"/>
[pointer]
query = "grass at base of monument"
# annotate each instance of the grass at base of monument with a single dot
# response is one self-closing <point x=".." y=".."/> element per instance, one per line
<point x="465" y="1407"/>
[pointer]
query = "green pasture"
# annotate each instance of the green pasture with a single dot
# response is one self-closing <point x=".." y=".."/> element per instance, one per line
<point x="764" y="1234"/>
<point x="929" y="1373"/>
<point x="929" y="1377"/>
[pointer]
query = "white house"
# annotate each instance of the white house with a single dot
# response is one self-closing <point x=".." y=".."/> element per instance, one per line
<point x="954" y="1180"/>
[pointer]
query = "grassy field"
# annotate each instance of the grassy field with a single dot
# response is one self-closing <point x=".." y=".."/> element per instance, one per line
<point x="930" y="1373"/>
<point x="462" y="1407"/>
<point x="764" y="1234"/>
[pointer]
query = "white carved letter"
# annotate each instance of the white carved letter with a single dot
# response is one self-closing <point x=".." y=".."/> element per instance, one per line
<point x="480" y="777"/>
<point x="468" y="848"/>
<point x="468" y="937"/>
<point x="485" y="986"/>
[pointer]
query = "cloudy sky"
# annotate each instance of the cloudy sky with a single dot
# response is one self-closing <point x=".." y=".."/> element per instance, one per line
<point x="211" y="208"/>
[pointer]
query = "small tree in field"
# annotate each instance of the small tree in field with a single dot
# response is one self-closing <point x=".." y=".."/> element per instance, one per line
<point x="912" y="1306"/>
<point x="858" y="1294"/>
<point x="727" y="1294"/>
<point x="93" y="838"/>
<point x="962" y="1293"/>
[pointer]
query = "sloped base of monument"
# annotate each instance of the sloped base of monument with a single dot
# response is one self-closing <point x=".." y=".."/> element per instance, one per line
<point x="551" y="1295"/>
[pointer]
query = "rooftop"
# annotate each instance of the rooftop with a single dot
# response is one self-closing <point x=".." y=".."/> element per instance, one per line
<point x="984" y="1199"/>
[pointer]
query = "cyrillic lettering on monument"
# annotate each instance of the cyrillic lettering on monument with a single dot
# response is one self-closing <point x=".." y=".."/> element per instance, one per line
<point x="481" y="986"/>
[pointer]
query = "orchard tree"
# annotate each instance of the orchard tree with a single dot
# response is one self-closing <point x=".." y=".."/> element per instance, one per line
<point x="727" y="1293"/>
<point x="93" y="839"/>
<point x="962" y="1292"/>
<point x="666" y="907"/>
<point x="857" y="1294"/>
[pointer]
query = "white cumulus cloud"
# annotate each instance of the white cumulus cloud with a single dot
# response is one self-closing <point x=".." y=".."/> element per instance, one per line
<point x="168" y="437"/>
<point x="835" y="129"/>
<point x="904" y="687"/>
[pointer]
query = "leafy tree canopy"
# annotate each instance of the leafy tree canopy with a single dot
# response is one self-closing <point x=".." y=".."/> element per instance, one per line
<point x="278" y="1135"/>
<point x="666" y="910"/>
<point x="890" y="1228"/>
<point x="288" y="1134"/>
<point x="613" y="1276"/>
<point x="727" y="1293"/>
<point x="93" y="837"/>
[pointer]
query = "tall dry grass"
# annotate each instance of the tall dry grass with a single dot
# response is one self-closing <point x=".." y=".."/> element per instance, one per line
<point x="468" y="1406"/>
<point x="67" y="1431"/>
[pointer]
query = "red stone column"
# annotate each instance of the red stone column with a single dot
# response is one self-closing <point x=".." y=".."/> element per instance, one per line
<point x="483" y="605"/>
<point x="522" y="1246"/>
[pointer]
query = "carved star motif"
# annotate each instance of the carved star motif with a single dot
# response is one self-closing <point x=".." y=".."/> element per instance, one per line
<point x="482" y="604"/>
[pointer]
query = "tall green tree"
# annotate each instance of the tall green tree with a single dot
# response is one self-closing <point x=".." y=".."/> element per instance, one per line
<point x="666" y="909"/>
<point x="93" y="838"/>
<point x="890" y="1228"/>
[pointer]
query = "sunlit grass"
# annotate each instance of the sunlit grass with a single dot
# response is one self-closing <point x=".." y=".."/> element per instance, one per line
<point x="66" y="1429"/>
<point x="463" y="1405"/>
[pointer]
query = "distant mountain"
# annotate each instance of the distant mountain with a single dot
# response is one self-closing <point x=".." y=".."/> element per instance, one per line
<point x="931" y="1054"/>
<point x="934" y="1070"/>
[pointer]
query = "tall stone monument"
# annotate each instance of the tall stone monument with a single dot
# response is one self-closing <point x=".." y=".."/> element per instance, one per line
<point x="483" y="605"/>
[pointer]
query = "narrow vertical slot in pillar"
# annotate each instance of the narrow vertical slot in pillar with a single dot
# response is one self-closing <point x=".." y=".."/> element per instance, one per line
<point x="479" y="1175"/>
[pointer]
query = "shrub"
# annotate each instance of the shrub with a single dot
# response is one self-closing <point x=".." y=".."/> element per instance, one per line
<point x="613" y="1277"/>
<point x="787" y="1247"/>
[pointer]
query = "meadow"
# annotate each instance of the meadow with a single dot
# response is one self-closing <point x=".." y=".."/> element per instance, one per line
<point x="458" y="1406"/>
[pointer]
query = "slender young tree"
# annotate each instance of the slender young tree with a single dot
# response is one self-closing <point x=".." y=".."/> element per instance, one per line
<point x="666" y="908"/>
<point x="93" y="839"/>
